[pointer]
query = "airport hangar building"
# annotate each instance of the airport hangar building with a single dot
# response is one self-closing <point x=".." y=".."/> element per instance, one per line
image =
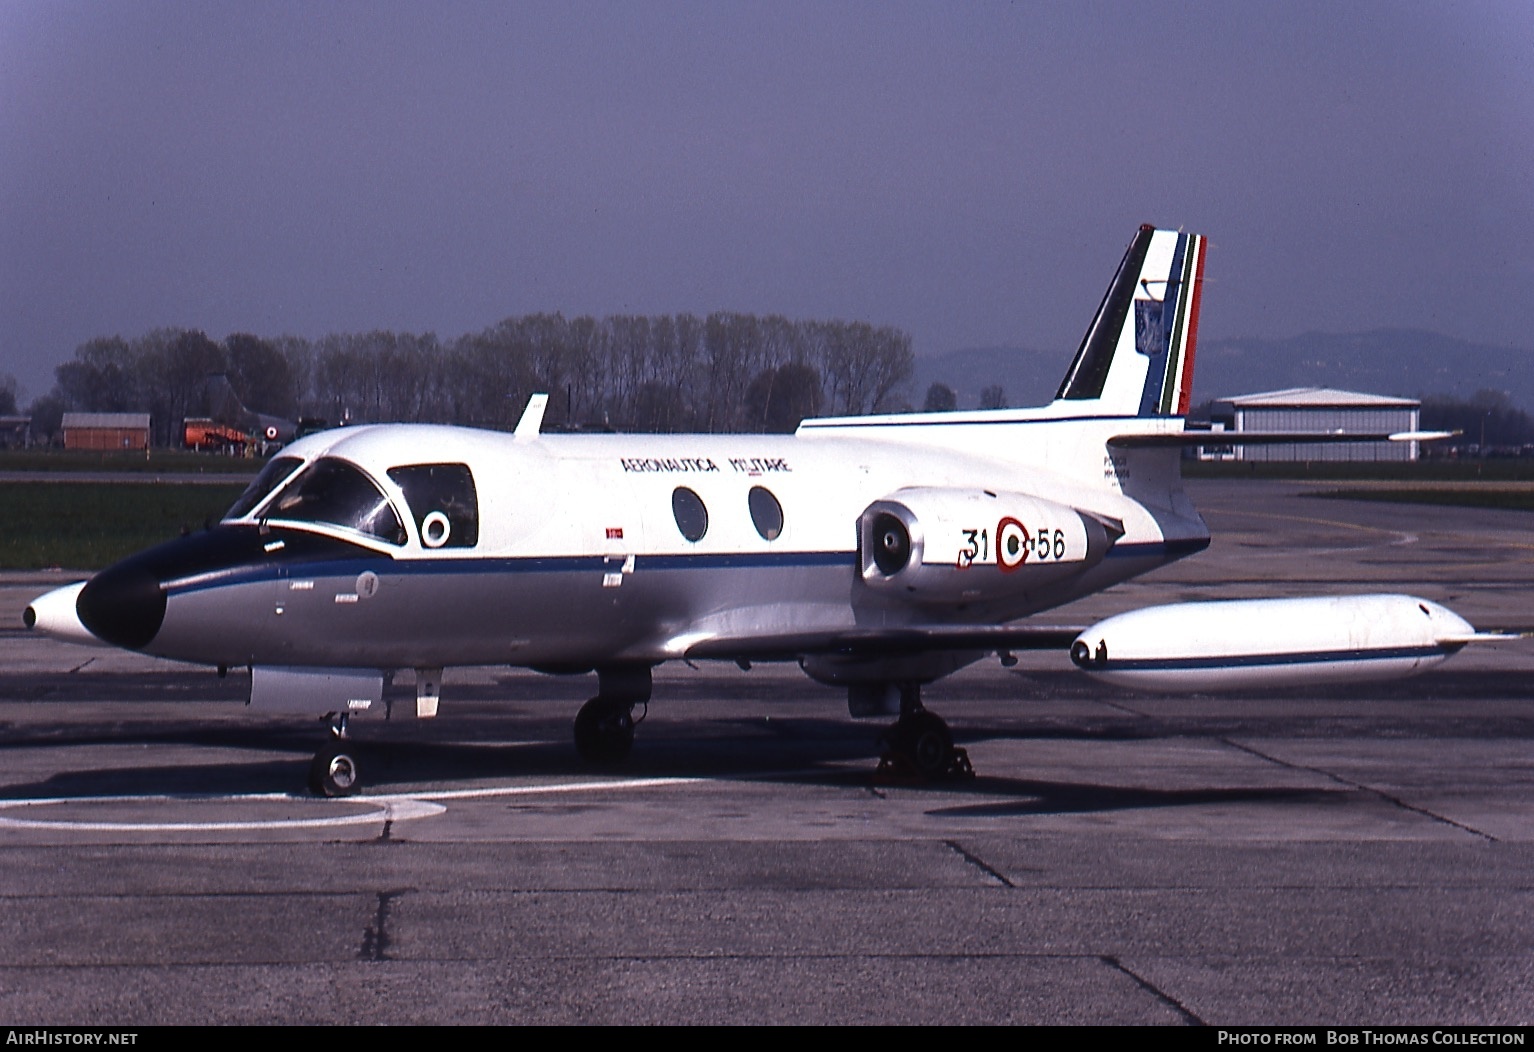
<point x="1315" y="409"/>
<point x="106" y="431"/>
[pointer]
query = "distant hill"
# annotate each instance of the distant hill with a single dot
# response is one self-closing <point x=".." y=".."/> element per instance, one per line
<point x="1406" y="362"/>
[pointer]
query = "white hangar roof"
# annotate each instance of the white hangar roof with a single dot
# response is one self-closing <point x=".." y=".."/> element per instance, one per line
<point x="113" y="420"/>
<point x="1317" y="398"/>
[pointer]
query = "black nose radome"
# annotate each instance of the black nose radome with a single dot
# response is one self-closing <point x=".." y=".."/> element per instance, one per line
<point x="123" y="605"/>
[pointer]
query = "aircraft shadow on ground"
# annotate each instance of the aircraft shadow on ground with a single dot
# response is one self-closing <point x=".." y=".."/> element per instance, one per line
<point x="519" y="727"/>
<point x="1047" y="798"/>
<point x="833" y="754"/>
<point x="1447" y="685"/>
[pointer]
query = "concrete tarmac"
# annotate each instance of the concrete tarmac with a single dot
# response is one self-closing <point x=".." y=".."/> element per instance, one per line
<point x="1358" y="855"/>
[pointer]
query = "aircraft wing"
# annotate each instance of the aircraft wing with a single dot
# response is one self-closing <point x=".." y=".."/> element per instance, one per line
<point x="1187" y="439"/>
<point x="879" y="642"/>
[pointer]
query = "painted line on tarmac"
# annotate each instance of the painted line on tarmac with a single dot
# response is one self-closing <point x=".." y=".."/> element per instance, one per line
<point x="381" y="810"/>
<point x="1401" y="537"/>
<point x="535" y="790"/>
<point x="394" y="807"/>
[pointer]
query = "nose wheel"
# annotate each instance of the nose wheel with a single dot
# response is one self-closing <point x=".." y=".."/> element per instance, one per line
<point x="334" y="770"/>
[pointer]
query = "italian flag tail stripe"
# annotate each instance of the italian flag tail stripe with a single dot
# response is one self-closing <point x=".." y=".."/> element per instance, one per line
<point x="1185" y="337"/>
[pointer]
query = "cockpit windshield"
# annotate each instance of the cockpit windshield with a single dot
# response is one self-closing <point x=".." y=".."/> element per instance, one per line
<point x="336" y="493"/>
<point x="276" y="471"/>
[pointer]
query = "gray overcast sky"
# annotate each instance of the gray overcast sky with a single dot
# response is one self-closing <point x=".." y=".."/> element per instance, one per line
<point x="968" y="172"/>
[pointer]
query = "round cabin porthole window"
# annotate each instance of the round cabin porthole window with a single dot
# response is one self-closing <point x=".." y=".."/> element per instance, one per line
<point x="435" y="530"/>
<point x="691" y="515"/>
<point x="766" y="513"/>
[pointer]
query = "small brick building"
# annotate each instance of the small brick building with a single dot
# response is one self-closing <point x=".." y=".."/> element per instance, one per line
<point x="106" y="431"/>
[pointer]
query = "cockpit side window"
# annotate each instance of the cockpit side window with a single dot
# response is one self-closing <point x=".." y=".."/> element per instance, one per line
<point x="338" y="494"/>
<point x="275" y="471"/>
<point x="444" y="502"/>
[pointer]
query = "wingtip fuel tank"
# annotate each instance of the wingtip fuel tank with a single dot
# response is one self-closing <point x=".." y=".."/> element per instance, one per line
<point x="1249" y="644"/>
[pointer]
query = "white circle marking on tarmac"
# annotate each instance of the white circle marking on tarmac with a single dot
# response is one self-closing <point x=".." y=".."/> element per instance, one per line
<point x="394" y="807"/>
<point x="534" y="790"/>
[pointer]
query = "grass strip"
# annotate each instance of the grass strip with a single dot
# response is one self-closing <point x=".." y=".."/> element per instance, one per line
<point x="1477" y="497"/>
<point x="88" y="525"/>
<point x="158" y="462"/>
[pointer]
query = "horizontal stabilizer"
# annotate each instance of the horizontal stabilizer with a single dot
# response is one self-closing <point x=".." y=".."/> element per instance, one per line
<point x="1193" y="439"/>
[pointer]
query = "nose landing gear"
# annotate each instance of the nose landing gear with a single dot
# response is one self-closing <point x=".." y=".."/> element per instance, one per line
<point x="334" y="770"/>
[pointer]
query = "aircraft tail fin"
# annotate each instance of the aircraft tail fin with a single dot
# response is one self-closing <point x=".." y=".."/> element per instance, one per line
<point x="224" y="406"/>
<point x="1137" y="356"/>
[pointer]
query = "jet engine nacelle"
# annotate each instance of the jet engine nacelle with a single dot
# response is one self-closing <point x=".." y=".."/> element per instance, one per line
<point x="953" y="546"/>
<point x="1263" y="643"/>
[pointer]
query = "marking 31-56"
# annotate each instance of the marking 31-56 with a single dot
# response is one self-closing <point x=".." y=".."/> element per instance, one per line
<point x="1014" y="544"/>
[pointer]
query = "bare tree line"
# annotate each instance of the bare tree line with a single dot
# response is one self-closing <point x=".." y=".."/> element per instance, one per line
<point x="664" y="373"/>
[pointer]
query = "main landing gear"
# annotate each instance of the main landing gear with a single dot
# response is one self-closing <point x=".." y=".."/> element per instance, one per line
<point x="920" y="745"/>
<point x="334" y="770"/>
<point x="604" y="731"/>
<point x="604" y="728"/>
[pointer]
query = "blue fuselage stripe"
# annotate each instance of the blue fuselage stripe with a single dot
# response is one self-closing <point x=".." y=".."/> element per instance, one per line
<point x="1308" y="657"/>
<point x="276" y="568"/>
<point x="510" y="565"/>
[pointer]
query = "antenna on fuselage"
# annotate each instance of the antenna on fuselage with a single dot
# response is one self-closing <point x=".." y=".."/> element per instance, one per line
<point x="532" y="417"/>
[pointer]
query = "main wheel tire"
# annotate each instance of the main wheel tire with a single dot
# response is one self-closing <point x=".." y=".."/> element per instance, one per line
<point x="334" y="772"/>
<point x="604" y="731"/>
<point x="928" y="744"/>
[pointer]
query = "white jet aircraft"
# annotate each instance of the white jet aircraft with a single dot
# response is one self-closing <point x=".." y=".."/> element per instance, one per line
<point x="880" y="553"/>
